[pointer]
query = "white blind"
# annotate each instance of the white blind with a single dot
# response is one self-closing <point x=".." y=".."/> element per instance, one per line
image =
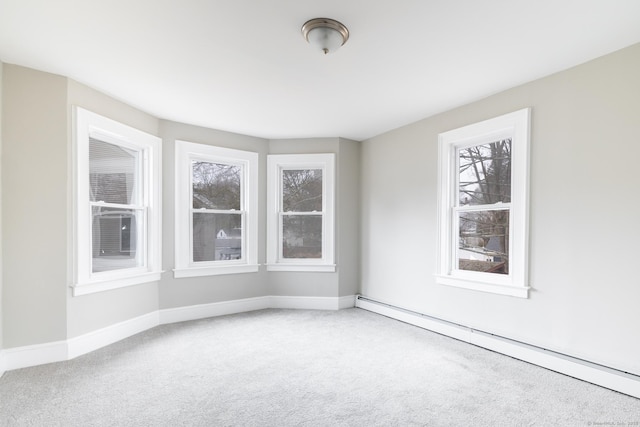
<point x="113" y="173"/>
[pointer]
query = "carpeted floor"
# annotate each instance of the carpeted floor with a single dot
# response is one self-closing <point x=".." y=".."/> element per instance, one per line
<point x="302" y="368"/>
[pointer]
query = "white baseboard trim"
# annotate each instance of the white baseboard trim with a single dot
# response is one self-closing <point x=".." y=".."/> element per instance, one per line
<point x="202" y="311"/>
<point x="33" y="355"/>
<point x="597" y="374"/>
<point x="2" y="364"/>
<point x="23" y="357"/>
<point x="312" y="303"/>
<point x="94" y="340"/>
<point x="348" y="301"/>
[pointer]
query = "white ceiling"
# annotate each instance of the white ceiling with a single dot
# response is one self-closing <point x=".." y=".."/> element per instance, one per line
<point x="243" y="66"/>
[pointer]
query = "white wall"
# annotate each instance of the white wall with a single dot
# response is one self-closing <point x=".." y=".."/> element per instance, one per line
<point x="583" y="219"/>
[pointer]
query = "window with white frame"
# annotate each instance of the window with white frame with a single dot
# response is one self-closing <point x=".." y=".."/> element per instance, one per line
<point x="117" y="204"/>
<point x="300" y="230"/>
<point x="216" y="210"/>
<point x="483" y="204"/>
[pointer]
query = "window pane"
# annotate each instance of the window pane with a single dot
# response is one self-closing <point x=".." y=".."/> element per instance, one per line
<point x="485" y="173"/>
<point x="302" y="236"/>
<point x="113" y="173"/>
<point x="302" y="190"/>
<point x="115" y="238"/>
<point x="216" y="186"/>
<point x="217" y="236"/>
<point x="484" y="241"/>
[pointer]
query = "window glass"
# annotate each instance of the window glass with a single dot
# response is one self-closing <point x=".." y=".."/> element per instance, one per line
<point x="483" y="234"/>
<point x="485" y="173"/>
<point x="114" y="176"/>
<point x="302" y="236"/>
<point x="217" y="216"/>
<point x="113" y="173"/>
<point x="300" y="212"/>
<point x="114" y="239"/>
<point x="484" y="241"/>
<point x="217" y="236"/>
<point x="302" y="190"/>
<point x="216" y="185"/>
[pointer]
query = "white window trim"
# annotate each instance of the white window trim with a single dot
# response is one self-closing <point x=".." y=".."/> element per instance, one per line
<point x="515" y="125"/>
<point x="88" y="124"/>
<point x="275" y="164"/>
<point x="185" y="153"/>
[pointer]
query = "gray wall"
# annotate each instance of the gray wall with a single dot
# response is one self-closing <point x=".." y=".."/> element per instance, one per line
<point x="348" y="210"/>
<point x="583" y="215"/>
<point x="305" y="284"/>
<point x="36" y="212"/>
<point x="582" y="246"/>
<point x="208" y="289"/>
<point x="34" y="206"/>
<point x="37" y="206"/>
<point x="345" y="280"/>
<point x="87" y="313"/>
<point x="1" y="274"/>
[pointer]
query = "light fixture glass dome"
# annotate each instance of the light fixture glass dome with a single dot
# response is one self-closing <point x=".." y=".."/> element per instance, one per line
<point x="324" y="34"/>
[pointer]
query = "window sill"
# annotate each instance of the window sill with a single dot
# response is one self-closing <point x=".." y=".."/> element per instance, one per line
<point x="179" y="273"/>
<point x="322" y="268"/>
<point x="509" y="290"/>
<point x="107" y="285"/>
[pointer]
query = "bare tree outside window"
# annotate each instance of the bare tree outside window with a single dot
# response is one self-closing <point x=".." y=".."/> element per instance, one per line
<point x="216" y="186"/>
<point x="302" y="213"/>
<point x="217" y="215"/>
<point x="484" y="191"/>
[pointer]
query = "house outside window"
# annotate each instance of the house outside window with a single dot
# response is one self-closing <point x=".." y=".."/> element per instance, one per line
<point x="483" y="204"/>
<point x="117" y="199"/>
<point x="300" y="216"/>
<point x="216" y="210"/>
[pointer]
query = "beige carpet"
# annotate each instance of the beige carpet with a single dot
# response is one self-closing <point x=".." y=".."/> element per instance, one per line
<point x="302" y="368"/>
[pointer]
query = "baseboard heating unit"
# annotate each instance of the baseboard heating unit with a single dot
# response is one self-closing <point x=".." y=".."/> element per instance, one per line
<point x="594" y="373"/>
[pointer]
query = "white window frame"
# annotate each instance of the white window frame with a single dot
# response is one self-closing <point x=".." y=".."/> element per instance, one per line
<point x="276" y="163"/>
<point x="515" y="125"/>
<point x="91" y="125"/>
<point x="186" y="152"/>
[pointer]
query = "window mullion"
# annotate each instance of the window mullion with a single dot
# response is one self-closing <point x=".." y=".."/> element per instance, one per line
<point x="478" y="208"/>
<point x="217" y="211"/>
<point x="305" y="213"/>
<point x="115" y="205"/>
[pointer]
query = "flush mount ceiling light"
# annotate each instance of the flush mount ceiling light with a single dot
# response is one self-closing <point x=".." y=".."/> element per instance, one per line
<point x="326" y="35"/>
